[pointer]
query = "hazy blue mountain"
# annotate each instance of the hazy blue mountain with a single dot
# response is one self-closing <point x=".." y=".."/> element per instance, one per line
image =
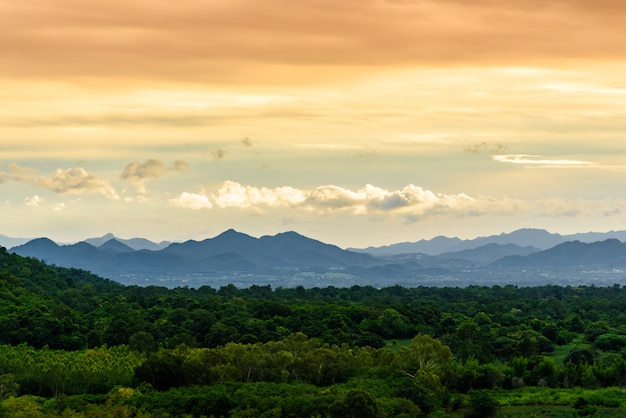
<point x="108" y="262"/>
<point x="116" y="245"/>
<point x="226" y="254"/>
<point x="80" y="255"/>
<point x="290" y="259"/>
<point x="489" y="253"/>
<point x="133" y="243"/>
<point x="226" y="242"/>
<point x="527" y="237"/>
<point x="37" y="247"/>
<point x="607" y="254"/>
<point x="434" y="246"/>
<point x="9" y="242"/>
<point x="281" y="250"/>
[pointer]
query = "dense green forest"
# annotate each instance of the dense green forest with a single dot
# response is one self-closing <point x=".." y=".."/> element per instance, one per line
<point x="76" y="345"/>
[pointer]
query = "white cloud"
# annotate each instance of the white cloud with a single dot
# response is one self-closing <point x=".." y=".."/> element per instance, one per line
<point x="536" y="160"/>
<point x="234" y="195"/>
<point x="35" y="200"/>
<point x="412" y="202"/>
<point x="76" y="181"/>
<point x="192" y="201"/>
<point x="59" y="207"/>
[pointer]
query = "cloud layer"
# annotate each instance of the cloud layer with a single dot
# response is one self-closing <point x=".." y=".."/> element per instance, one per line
<point x="70" y="38"/>
<point x="537" y="160"/>
<point x="411" y="201"/>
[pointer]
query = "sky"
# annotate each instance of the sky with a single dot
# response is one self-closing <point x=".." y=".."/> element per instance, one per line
<point x="357" y="123"/>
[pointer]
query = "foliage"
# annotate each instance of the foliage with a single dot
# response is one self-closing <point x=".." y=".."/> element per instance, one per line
<point x="73" y="345"/>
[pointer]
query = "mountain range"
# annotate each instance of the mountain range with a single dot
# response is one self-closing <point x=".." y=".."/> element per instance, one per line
<point x="524" y="257"/>
<point x="229" y="254"/>
<point x="538" y="238"/>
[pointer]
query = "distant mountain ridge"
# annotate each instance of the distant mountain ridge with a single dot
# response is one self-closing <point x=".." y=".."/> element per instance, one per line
<point x="231" y="252"/>
<point x="526" y="237"/>
<point x="8" y="242"/>
<point x="290" y="259"/>
<point x="607" y="254"/>
<point x="133" y="243"/>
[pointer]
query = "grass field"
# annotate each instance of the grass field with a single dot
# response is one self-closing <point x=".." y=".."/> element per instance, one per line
<point x="561" y="351"/>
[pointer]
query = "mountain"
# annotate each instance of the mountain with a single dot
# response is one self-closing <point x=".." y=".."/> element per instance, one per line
<point x="133" y="243"/>
<point x="8" y="242"/>
<point x="527" y="237"/>
<point x="288" y="249"/>
<point x="230" y="253"/>
<point x="489" y="253"/>
<point x="289" y="259"/>
<point x="116" y="245"/>
<point x="435" y="246"/>
<point x="607" y="254"/>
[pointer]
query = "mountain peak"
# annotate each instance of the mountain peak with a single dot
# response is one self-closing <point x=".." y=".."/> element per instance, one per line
<point x="115" y="245"/>
<point x="41" y="243"/>
<point x="96" y="242"/>
<point x="231" y="234"/>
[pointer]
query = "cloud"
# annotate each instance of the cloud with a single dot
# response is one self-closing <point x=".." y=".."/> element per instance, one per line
<point x="140" y="173"/>
<point x="218" y="154"/>
<point x="137" y="171"/>
<point x="35" y="200"/>
<point x="63" y="181"/>
<point x="192" y="201"/>
<point x="159" y="39"/>
<point x="579" y="208"/>
<point x="485" y="148"/>
<point x="18" y="173"/>
<point x="235" y="195"/>
<point x="246" y="142"/>
<point x="412" y="202"/>
<point x="76" y="181"/>
<point x="537" y="160"/>
<point x="58" y="207"/>
<point x="180" y="165"/>
<point x="366" y="154"/>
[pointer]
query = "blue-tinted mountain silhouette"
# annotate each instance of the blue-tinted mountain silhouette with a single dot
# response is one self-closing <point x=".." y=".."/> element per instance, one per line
<point x="228" y="252"/>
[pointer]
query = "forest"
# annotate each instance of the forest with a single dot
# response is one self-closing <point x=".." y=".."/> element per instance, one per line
<point x="75" y="345"/>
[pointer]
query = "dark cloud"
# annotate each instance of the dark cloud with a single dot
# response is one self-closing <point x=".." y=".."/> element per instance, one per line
<point x="486" y="148"/>
<point x="218" y="154"/>
<point x="137" y="171"/>
<point x="140" y="173"/>
<point x="246" y="142"/>
<point x="180" y="165"/>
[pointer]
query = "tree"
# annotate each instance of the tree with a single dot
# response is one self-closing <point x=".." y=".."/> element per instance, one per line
<point x="482" y="403"/>
<point x="356" y="404"/>
<point x="163" y="370"/>
<point x="142" y="342"/>
<point x="8" y="387"/>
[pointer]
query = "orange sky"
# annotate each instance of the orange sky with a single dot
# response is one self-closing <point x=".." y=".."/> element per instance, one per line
<point x="355" y="122"/>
